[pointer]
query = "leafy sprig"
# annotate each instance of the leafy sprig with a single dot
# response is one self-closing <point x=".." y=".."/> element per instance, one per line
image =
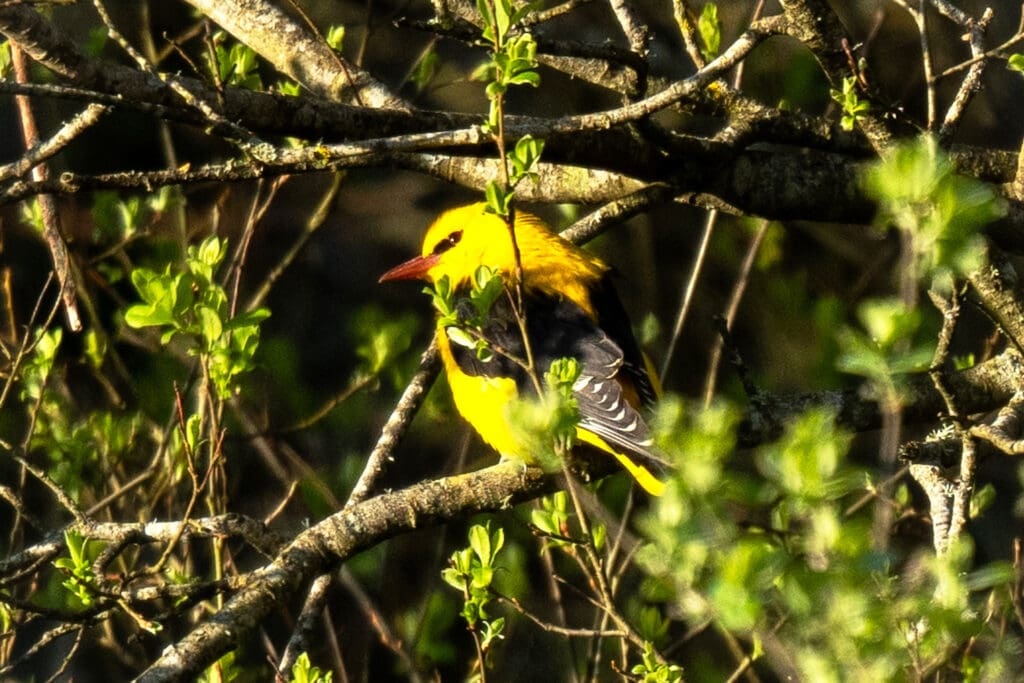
<point x="848" y="98"/>
<point x="513" y="61"/>
<point x="80" y="580"/>
<point x="471" y="570"/>
<point x="303" y="671"/>
<point x="236" y="65"/>
<point x="463" y="318"/>
<point x="193" y="305"/>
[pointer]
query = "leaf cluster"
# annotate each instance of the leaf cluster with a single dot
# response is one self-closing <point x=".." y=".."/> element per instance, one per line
<point x="463" y="318"/>
<point x="471" y="571"/>
<point x="853" y="107"/>
<point x="523" y="157"/>
<point x="236" y="65"/>
<point x="75" y="443"/>
<point x="77" y="566"/>
<point x="193" y="305"/>
<point x="303" y="671"/>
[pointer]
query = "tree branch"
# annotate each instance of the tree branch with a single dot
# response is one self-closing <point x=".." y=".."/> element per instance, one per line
<point x="336" y="539"/>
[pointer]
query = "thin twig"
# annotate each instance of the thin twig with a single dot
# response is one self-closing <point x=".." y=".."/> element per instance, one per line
<point x="379" y="624"/>
<point x="316" y="219"/>
<point x="52" y="234"/>
<point x="397" y="425"/>
<point x="738" y="289"/>
<point x="691" y="286"/>
<point x="41" y="151"/>
<point x="556" y="628"/>
<point x="299" y="642"/>
<point x="172" y="81"/>
<point x="972" y="81"/>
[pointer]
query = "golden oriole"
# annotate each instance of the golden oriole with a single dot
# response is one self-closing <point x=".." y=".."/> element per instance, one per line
<point x="571" y="310"/>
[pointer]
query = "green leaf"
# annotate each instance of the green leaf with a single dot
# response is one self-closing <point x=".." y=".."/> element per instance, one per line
<point x="95" y="348"/>
<point x="211" y="251"/>
<point x="78" y="566"/>
<point x="481" y="577"/>
<point x="236" y="65"/>
<point x="303" y="671"/>
<point x="336" y="37"/>
<point x="142" y="315"/>
<point x="710" y="29"/>
<point x="543" y="520"/>
<point x="194" y="432"/>
<point x="487" y="16"/>
<point x="210" y="324"/>
<point x="497" y="199"/>
<point x="480" y="542"/>
<point x="502" y="20"/>
<point x="460" y="337"/>
<point x="32" y="215"/>
<point x="289" y="88"/>
<point x="488" y="286"/>
<point x="495" y="89"/>
<point x="888" y="321"/>
<point x="97" y="40"/>
<point x="982" y="499"/>
<point x="525" y="78"/>
<point x="485" y="72"/>
<point x="806" y="460"/>
<point x="6" y="622"/>
<point x="454" y="578"/>
<point x="1016" y="62"/>
<point x="425" y="69"/>
<point x="5" y="57"/>
<point x="852" y="106"/>
<point x="492" y="630"/>
<point x="248" y="319"/>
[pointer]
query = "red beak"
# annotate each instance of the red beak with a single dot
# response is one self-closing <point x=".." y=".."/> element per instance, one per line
<point x="413" y="269"/>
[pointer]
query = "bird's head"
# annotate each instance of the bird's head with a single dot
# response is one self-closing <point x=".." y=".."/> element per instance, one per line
<point x="460" y="241"/>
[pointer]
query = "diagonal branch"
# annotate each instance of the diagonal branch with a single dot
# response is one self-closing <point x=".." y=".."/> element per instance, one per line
<point x="335" y="539"/>
<point x="277" y="38"/>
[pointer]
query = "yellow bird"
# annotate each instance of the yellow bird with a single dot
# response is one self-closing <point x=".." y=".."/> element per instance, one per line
<point x="571" y="310"/>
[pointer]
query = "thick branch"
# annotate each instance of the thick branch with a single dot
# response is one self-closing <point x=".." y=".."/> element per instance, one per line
<point x="984" y="387"/>
<point x="335" y="539"/>
<point x="280" y="40"/>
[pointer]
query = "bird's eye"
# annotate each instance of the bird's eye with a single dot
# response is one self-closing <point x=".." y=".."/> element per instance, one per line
<point x="447" y="243"/>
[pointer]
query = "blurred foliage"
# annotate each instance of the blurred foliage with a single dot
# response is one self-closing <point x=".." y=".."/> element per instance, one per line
<point x="941" y="212"/>
<point x="782" y="558"/>
<point x="710" y="29"/>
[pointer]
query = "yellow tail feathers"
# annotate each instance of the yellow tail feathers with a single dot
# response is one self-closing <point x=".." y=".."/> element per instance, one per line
<point x="648" y="482"/>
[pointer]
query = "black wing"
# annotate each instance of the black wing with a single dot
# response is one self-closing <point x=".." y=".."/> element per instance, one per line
<point x="606" y="350"/>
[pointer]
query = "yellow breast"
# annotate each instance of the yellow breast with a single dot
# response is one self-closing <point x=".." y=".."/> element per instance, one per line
<point x="483" y="402"/>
